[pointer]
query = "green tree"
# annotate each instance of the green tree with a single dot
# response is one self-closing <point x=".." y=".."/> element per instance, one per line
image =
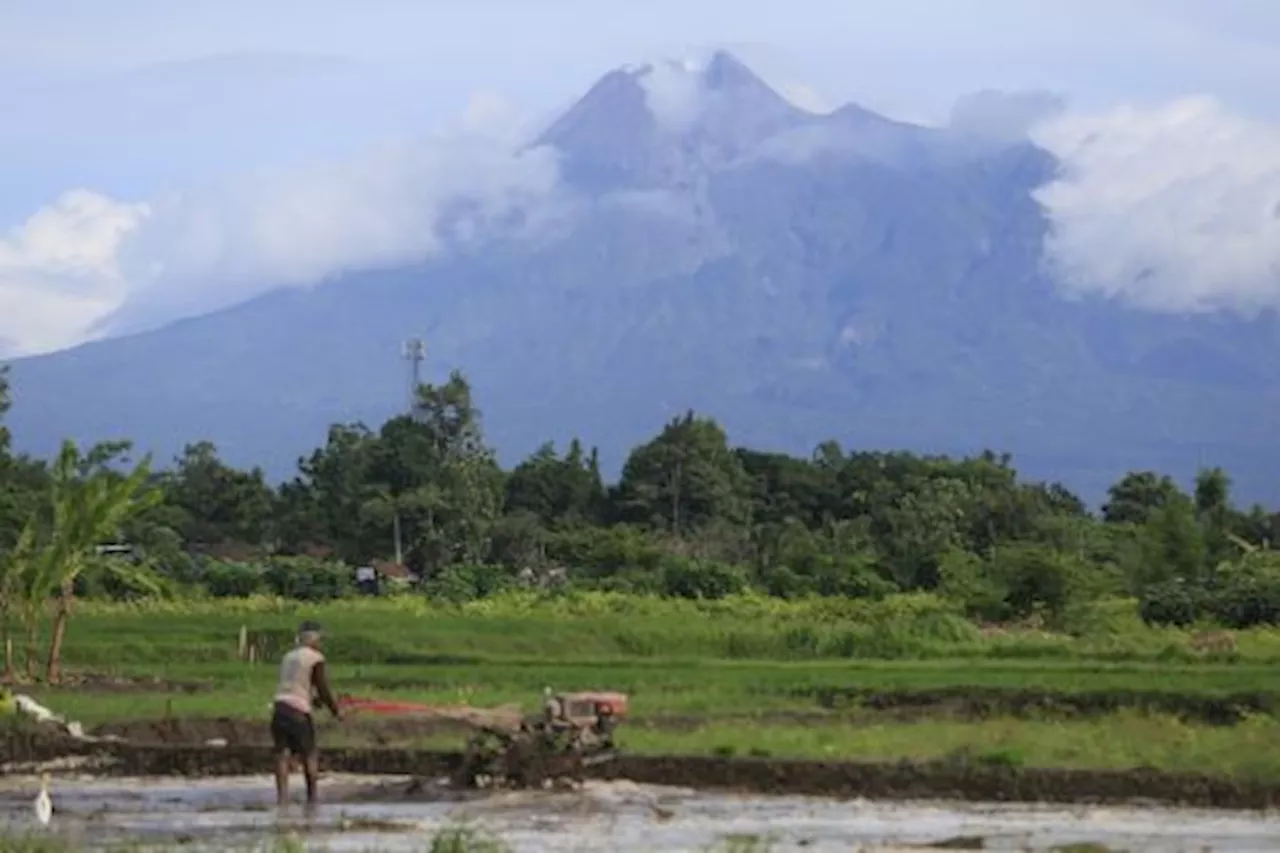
<point x="558" y="489"/>
<point x="5" y="403"/>
<point x="1137" y="495"/>
<point x="1171" y="545"/>
<point x="1039" y="579"/>
<point x="914" y="529"/>
<point x="434" y="472"/>
<point x="1215" y="514"/>
<point x="218" y="503"/>
<point x="784" y="487"/>
<point x="328" y="498"/>
<point x="684" y="478"/>
<point x="20" y="478"/>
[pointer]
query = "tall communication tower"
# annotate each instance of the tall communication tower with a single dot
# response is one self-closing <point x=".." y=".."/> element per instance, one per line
<point x="414" y="352"/>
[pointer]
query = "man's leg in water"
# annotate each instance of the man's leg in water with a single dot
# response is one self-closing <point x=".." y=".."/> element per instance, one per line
<point x="284" y="763"/>
<point x="282" y="742"/>
<point x="311" y="769"/>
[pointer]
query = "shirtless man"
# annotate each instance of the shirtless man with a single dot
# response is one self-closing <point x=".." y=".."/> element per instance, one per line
<point x="302" y="673"/>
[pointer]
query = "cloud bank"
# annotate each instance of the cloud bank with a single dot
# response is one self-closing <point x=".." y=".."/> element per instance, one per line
<point x="87" y="265"/>
<point x="60" y="271"/>
<point x="1173" y="208"/>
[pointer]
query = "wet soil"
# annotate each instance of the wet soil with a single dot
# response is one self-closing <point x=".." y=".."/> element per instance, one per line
<point x="198" y="731"/>
<point x="981" y="703"/>
<point x="958" y="780"/>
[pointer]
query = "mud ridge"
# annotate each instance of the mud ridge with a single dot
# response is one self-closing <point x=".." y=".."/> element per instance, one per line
<point x="889" y="781"/>
<point x="197" y="731"/>
<point x="981" y="703"/>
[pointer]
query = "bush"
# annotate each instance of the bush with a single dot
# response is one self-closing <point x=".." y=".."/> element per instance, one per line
<point x="1172" y="603"/>
<point x="850" y="576"/>
<point x="1106" y="617"/>
<point x="1037" y="577"/>
<point x="232" y="580"/>
<point x="1240" y="594"/>
<point x="307" y="579"/>
<point x="632" y="581"/>
<point x="686" y="577"/>
<point x="1245" y="602"/>
<point x="469" y="582"/>
<point x="963" y="579"/>
<point x="597" y="552"/>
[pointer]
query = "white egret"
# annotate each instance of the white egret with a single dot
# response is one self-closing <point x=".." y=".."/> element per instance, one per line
<point x="44" y="805"/>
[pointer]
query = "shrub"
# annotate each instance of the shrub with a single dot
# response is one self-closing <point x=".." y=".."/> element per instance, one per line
<point x="1172" y="603"/>
<point x="686" y="577"/>
<point x="232" y="580"/>
<point x="469" y="582"/>
<point x="307" y="579"/>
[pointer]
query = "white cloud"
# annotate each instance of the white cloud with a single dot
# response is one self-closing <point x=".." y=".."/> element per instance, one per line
<point x="59" y="270"/>
<point x="805" y="97"/>
<point x="1174" y="208"/>
<point x="87" y="265"/>
<point x="674" y="93"/>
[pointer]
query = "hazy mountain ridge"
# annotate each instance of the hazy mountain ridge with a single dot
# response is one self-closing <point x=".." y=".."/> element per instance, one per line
<point x="800" y="276"/>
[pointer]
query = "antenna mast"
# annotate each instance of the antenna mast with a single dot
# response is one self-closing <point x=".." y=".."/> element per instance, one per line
<point x="414" y="352"/>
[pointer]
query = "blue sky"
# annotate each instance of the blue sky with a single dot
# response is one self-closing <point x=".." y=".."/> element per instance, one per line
<point x="130" y="100"/>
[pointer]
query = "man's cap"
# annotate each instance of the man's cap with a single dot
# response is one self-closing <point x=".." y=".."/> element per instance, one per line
<point x="309" y="627"/>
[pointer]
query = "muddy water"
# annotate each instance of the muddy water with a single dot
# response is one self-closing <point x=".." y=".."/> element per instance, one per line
<point x="360" y="814"/>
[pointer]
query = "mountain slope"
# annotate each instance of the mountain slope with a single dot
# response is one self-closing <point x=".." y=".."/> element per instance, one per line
<point x="801" y="277"/>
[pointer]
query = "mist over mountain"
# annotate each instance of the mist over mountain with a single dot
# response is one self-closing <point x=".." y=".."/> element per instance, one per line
<point x="691" y="239"/>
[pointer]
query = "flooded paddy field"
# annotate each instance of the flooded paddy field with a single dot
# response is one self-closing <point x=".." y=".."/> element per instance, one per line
<point x="199" y="780"/>
<point x="378" y="813"/>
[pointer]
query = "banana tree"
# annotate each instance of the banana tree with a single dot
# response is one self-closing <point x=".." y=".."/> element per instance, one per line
<point x="94" y="505"/>
<point x="88" y="503"/>
<point x="36" y="552"/>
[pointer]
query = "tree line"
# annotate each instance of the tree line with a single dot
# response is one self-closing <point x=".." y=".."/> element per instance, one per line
<point x="691" y="515"/>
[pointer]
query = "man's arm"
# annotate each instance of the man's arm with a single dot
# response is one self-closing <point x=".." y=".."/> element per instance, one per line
<point x="320" y="681"/>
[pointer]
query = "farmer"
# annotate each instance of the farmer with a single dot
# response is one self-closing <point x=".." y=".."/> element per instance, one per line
<point x="302" y="673"/>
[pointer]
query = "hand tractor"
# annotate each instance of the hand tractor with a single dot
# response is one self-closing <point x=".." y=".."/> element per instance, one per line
<point x="573" y="731"/>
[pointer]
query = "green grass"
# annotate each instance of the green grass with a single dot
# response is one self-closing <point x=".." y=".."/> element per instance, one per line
<point x="1118" y="741"/>
<point x="675" y="657"/>
<point x="707" y="687"/>
<point x="692" y="661"/>
<point x="606" y="627"/>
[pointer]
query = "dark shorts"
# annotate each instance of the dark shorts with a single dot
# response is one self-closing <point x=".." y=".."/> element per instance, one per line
<point x="292" y="731"/>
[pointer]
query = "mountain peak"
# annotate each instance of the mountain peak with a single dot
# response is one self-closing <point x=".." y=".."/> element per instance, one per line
<point x="650" y="123"/>
<point x="725" y="72"/>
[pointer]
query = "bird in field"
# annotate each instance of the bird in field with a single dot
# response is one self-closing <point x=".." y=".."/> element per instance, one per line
<point x="44" y="804"/>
